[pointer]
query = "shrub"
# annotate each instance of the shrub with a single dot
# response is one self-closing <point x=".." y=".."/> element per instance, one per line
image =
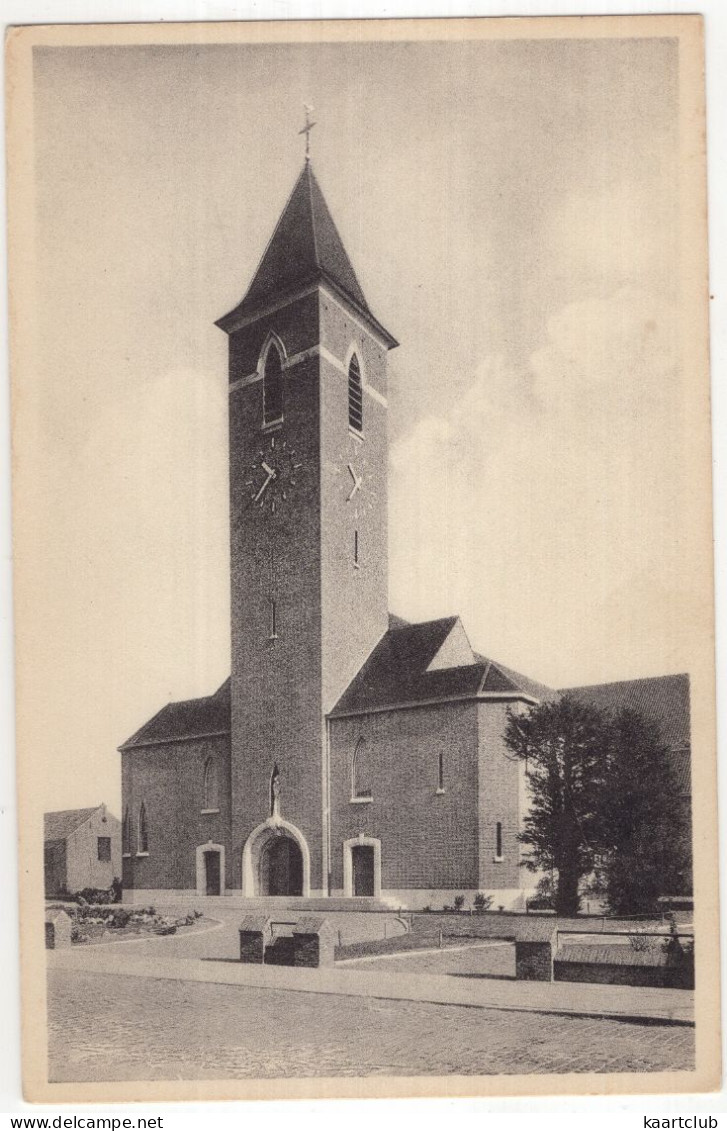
<point x="679" y="952"/>
<point x="117" y="890"/>
<point x="458" y="902"/>
<point x="119" y="918"/>
<point x="482" y="902"/>
<point x="92" y="895"/>
<point x="641" y="942"/>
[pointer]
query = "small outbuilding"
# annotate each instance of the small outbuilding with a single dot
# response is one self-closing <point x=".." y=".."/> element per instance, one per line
<point x="82" y="849"/>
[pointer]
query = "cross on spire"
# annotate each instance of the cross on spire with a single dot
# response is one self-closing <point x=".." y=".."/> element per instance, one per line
<point x="307" y="129"/>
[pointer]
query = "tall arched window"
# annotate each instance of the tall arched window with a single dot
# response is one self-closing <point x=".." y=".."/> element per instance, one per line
<point x="361" y="771"/>
<point x="126" y="833"/>
<point x="273" y="386"/>
<point x="211" y="794"/>
<point x="143" y="840"/>
<point x="355" y="395"/>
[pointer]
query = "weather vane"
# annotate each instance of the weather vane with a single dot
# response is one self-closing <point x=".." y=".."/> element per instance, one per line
<point x="307" y="129"/>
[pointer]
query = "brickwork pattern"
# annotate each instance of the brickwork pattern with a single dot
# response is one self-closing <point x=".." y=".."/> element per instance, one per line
<point x="329" y="613"/>
<point x="169" y="779"/>
<point x="499" y="787"/>
<point x="534" y="961"/>
<point x="428" y="839"/>
<point x="355" y="600"/>
<point x="314" y="943"/>
<point x="276" y="683"/>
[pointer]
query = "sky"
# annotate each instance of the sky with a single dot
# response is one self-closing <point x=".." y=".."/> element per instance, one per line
<point x="511" y="209"/>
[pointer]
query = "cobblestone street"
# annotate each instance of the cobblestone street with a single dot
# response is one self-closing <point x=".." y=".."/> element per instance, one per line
<point x="107" y="1028"/>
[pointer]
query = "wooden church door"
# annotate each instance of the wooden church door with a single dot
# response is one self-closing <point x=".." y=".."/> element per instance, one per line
<point x="362" y="858"/>
<point x="212" y="873"/>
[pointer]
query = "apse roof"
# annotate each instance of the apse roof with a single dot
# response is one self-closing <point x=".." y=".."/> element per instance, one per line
<point x="191" y="718"/>
<point x="399" y="673"/>
<point x="305" y="247"/>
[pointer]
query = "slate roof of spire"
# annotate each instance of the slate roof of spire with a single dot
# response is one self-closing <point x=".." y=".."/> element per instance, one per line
<point x="304" y="248"/>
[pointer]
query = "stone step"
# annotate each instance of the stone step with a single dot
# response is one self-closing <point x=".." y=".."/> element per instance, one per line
<point x="298" y="903"/>
<point x="269" y="903"/>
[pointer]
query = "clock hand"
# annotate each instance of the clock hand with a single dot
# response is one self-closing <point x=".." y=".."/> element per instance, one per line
<point x="356" y="483"/>
<point x="271" y="475"/>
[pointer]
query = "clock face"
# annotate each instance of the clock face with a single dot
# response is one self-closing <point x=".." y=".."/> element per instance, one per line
<point x="273" y="475"/>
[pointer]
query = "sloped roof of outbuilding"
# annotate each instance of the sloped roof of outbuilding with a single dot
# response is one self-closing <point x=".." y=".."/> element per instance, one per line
<point x="663" y="699"/>
<point x="190" y="718"/>
<point x="57" y="826"/>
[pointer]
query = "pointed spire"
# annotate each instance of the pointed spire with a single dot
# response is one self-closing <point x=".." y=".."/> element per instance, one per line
<point x="304" y="248"/>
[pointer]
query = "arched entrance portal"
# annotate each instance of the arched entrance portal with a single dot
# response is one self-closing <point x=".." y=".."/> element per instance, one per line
<point x="281" y="867"/>
<point x="276" y="860"/>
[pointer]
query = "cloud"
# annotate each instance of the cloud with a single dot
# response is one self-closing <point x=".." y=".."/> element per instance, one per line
<point x="538" y="494"/>
<point x="623" y="234"/>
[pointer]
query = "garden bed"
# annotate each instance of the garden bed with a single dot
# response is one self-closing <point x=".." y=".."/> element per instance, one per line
<point x="110" y="923"/>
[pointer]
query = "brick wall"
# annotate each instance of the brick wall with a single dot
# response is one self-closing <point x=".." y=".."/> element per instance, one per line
<point x="428" y="840"/>
<point x="169" y="780"/>
<point x="355" y="600"/>
<point x="499" y="790"/>
<point x="329" y="614"/>
<point x="276" y="683"/>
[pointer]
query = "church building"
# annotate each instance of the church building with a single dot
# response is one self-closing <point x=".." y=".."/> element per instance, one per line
<point x="350" y="753"/>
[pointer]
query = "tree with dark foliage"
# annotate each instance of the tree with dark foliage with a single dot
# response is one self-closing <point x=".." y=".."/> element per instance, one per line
<point x="641" y="824"/>
<point x="564" y="744"/>
<point x="604" y="802"/>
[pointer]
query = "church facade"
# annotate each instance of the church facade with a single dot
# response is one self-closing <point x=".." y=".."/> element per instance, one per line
<point x="350" y="753"/>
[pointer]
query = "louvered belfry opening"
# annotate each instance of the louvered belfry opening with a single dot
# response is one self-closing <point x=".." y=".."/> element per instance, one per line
<point x="355" y="397"/>
<point x="273" y="388"/>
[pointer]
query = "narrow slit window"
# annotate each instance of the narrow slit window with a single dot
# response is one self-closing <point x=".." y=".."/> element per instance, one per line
<point x="355" y="547"/>
<point x="361" y="775"/>
<point x="273" y="620"/>
<point x="273" y="387"/>
<point x="498" y="840"/>
<point x="440" y="783"/>
<point x="126" y="834"/>
<point x="143" y="830"/>
<point x="211" y="796"/>
<point x="355" y="396"/>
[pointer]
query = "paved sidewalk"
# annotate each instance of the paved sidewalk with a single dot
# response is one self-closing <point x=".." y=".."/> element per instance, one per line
<point x="574" y="999"/>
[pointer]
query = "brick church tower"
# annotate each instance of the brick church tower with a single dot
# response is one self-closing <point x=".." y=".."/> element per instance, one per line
<point x="308" y="512"/>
